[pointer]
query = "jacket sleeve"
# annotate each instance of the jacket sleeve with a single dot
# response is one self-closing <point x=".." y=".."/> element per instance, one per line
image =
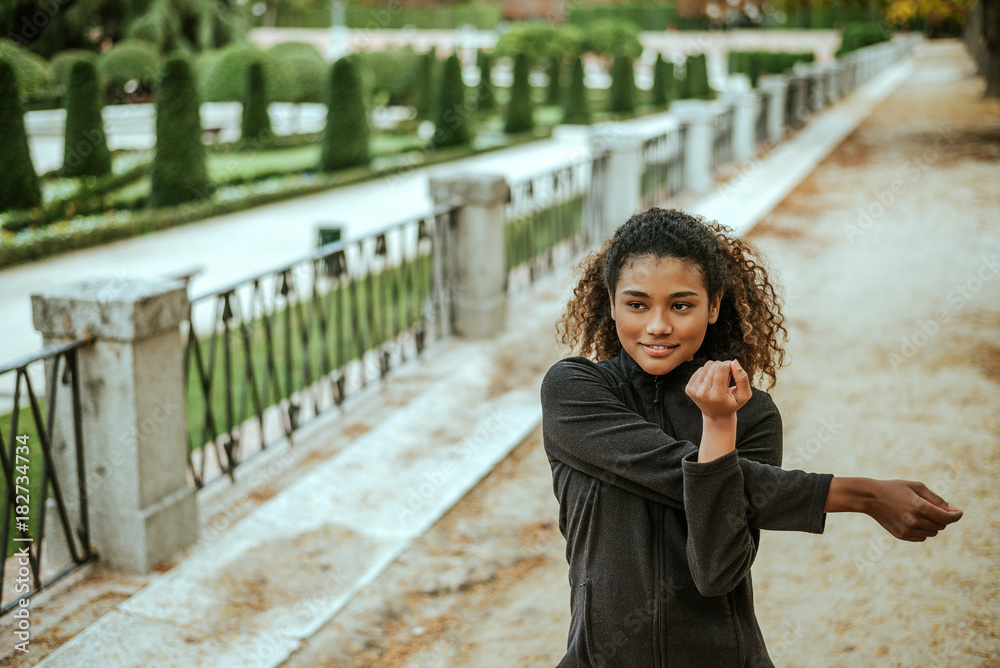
<point x="721" y="546"/>
<point x="587" y="427"/>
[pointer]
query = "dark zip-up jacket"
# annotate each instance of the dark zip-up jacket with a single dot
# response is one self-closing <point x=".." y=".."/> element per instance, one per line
<point x="660" y="546"/>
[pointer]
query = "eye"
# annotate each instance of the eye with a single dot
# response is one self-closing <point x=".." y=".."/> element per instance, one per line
<point x="683" y="307"/>
<point x="635" y="306"/>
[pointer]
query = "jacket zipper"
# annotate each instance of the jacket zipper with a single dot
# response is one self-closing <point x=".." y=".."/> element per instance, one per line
<point x="661" y="650"/>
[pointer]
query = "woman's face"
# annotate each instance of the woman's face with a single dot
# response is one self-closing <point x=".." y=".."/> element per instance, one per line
<point x="662" y="311"/>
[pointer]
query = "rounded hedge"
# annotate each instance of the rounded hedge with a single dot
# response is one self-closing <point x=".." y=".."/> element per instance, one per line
<point x="224" y="78"/>
<point x="622" y="86"/>
<point x="34" y="74"/>
<point x="85" y="146"/>
<point x="519" y="109"/>
<point x="450" y="112"/>
<point x="484" y="95"/>
<point x="131" y="60"/>
<point x="575" y="108"/>
<point x="62" y="63"/>
<point x="19" y="185"/>
<point x="345" y="140"/>
<point x="307" y="66"/>
<point x="178" y="172"/>
<point x="256" y="127"/>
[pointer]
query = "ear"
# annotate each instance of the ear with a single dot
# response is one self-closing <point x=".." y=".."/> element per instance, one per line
<point x="713" y="309"/>
<point x="611" y="297"/>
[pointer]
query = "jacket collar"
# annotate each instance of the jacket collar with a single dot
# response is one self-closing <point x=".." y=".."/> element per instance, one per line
<point x="643" y="380"/>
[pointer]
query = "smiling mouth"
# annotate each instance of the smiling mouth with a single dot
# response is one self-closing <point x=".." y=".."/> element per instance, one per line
<point x="658" y="346"/>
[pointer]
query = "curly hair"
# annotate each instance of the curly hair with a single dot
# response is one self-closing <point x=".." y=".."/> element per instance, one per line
<point x="750" y="326"/>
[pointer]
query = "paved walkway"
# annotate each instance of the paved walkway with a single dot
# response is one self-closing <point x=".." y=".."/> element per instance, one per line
<point x="324" y="520"/>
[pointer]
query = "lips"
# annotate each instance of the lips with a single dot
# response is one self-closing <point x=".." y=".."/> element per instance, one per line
<point x="658" y="349"/>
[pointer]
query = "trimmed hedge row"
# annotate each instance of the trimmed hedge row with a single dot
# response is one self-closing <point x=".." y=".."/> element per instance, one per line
<point x="860" y="34"/>
<point x="84" y="232"/>
<point x="755" y="63"/>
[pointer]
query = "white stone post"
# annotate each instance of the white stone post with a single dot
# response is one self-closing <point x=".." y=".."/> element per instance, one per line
<point x="776" y="87"/>
<point x="624" y="174"/>
<point x="479" y="292"/>
<point x="698" y="117"/>
<point x="830" y="81"/>
<point x="744" y="124"/>
<point x="142" y="509"/>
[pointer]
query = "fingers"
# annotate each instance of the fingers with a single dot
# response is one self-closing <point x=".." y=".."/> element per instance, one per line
<point x="922" y="490"/>
<point x="742" y="381"/>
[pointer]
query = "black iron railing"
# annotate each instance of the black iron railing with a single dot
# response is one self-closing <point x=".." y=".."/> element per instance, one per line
<point x="760" y="128"/>
<point x="267" y="353"/>
<point x="545" y="219"/>
<point x="722" y="138"/>
<point x="662" y="167"/>
<point x="35" y="482"/>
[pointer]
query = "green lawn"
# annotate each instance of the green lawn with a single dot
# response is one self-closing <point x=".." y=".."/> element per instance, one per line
<point x="32" y="470"/>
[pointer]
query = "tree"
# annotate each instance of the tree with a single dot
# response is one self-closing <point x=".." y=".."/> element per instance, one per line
<point x="256" y="129"/>
<point x="86" y="148"/>
<point x="622" y="86"/>
<point x="19" y="185"/>
<point x="487" y="101"/>
<point x="519" y="109"/>
<point x="178" y="173"/>
<point x="345" y="140"/>
<point x="450" y="112"/>
<point x="575" y="108"/>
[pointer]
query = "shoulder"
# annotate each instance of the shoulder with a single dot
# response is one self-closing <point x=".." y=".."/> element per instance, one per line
<point x="576" y="374"/>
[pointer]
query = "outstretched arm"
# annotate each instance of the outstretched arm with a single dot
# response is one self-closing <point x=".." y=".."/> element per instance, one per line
<point x="905" y="508"/>
<point x="587" y="427"/>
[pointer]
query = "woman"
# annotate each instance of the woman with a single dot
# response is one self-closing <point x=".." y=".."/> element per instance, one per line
<point x="665" y="473"/>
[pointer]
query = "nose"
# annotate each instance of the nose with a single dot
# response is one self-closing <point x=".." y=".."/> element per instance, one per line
<point x="658" y="323"/>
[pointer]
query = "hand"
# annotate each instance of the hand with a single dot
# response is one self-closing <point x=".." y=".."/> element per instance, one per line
<point x="709" y="388"/>
<point x="909" y="510"/>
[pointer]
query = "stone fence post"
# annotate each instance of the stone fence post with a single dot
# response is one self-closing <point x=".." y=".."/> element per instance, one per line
<point x="744" y="124"/>
<point x="776" y="86"/>
<point x="698" y="116"/>
<point x="623" y="181"/>
<point x="480" y="270"/>
<point x="142" y="509"/>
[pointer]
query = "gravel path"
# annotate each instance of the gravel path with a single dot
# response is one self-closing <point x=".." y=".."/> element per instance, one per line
<point x="894" y="372"/>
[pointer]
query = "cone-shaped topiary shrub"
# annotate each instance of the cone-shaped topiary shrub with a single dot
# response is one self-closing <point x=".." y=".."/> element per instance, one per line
<point x="662" y="92"/>
<point x="519" y="110"/>
<point x="345" y="140"/>
<point x="485" y="97"/>
<point x="86" y="148"/>
<point x="554" y="91"/>
<point x="622" y="86"/>
<point x="697" y="77"/>
<point x="450" y="112"/>
<point x="19" y="185"/>
<point x="682" y="85"/>
<point x="426" y="79"/>
<point x="256" y="123"/>
<point x="178" y="172"/>
<point x="575" y="109"/>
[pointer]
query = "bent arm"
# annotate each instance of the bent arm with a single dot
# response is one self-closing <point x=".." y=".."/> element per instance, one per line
<point x="587" y="427"/>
